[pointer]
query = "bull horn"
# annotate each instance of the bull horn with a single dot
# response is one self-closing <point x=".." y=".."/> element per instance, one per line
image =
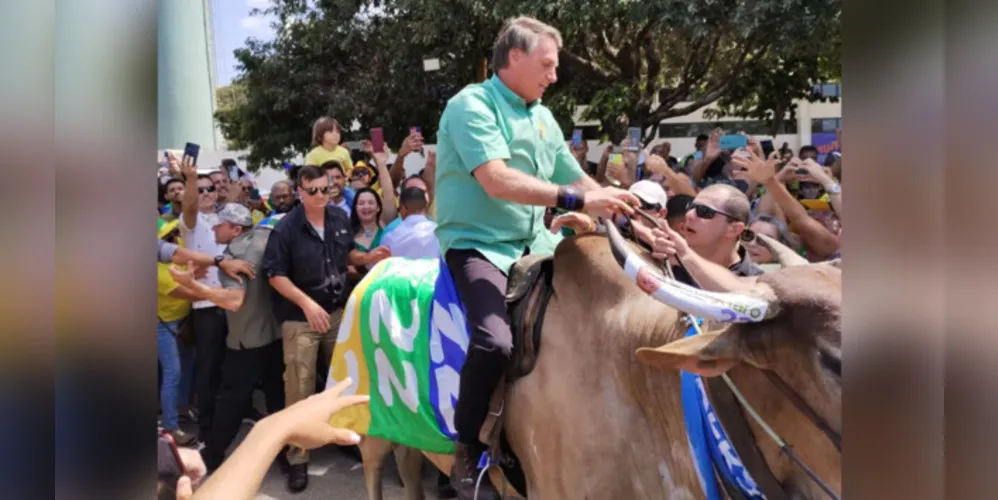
<point x="784" y="255"/>
<point x="717" y="306"/>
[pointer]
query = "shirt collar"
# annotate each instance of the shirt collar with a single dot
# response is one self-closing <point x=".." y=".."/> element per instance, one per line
<point x="414" y="218"/>
<point x="508" y="94"/>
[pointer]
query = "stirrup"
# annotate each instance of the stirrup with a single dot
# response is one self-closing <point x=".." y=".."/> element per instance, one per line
<point x="485" y="462"/>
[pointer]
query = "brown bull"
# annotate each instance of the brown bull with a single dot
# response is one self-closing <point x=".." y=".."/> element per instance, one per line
<point x="601" y="414"/>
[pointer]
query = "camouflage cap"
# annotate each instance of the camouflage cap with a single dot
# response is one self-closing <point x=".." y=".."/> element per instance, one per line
<point x="236" y="214"/>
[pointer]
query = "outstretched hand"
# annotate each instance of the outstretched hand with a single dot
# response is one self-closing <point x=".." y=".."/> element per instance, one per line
<point x="609" y="201"/>
<point x="306" y="423"/>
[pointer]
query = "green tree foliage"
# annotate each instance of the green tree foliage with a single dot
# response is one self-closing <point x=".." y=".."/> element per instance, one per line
<point x="767" y="90"/>
<point x="632" y="63"/>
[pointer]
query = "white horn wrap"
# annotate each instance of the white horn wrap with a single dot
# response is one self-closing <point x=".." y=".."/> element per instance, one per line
<point x="725" y="307"/>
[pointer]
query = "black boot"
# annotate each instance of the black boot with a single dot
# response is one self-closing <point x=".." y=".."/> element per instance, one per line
<point x="298" y="478"/>
<point x="465" y="474"/>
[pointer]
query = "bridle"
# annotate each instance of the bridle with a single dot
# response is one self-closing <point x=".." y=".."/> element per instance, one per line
<point x="717" y="391"/>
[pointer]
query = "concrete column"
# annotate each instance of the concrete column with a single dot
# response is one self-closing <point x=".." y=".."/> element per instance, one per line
<point x="803" y="123"/>
<point x="186" y="78"/>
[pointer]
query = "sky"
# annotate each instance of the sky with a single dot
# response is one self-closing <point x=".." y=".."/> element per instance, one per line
<point x="232" y="25"/>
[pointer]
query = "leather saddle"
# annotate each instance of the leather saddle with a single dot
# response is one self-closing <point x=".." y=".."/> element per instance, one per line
<point x="528" y="292"/>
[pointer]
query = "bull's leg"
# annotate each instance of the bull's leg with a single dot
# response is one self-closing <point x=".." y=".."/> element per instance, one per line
<point x="373" y="451"/>
<point x="410" y="466"/>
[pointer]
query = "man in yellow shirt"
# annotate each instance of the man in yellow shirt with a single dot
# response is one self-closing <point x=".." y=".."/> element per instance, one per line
<point x="326" y="136"/>
<point x="172" y="307"/>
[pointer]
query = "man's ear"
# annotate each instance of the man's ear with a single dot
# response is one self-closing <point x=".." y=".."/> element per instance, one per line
<point x="706" y="354"/>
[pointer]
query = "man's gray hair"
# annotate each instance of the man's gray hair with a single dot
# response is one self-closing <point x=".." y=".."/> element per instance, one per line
<point x="522" y="33"/>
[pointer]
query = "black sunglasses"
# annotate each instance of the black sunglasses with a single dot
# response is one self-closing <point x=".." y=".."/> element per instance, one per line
<point x="209" y="189"/>
<point x="650" y="207"/>
<point x="706" y="213"/>
<point x="312" y="190"/>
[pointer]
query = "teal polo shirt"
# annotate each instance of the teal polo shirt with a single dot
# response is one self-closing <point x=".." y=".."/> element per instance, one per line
<point x="483" y="122"/>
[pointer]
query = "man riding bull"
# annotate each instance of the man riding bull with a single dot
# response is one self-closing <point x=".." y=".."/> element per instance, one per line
<point x="501" y="160"/>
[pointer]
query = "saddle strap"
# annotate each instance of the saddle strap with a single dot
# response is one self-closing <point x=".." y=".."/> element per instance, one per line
<point x="731" y="418"/>
<point x="492" y="426"/>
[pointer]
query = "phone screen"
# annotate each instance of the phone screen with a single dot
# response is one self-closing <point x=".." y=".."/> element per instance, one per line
<point x="733" y="141"/>
<point x="378" y="139"/>
<point x="577" y="138"/>
<point x="254" y="194"/>
<point x="633" y="139"/>
<point x="192" y="150"/>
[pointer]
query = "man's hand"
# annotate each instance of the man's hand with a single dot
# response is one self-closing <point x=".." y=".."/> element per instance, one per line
<point x="185" y="277"/>
<point x="187" y="168"/>
<point x="580" y="223"/>
<point x="755" y="145"/>
<point x="668" y="244"/>
<point x="174" y="165"/>
<point x="656" y="164"/>
<point x="609" y="201"/>
<point x="317" y="317"/>
<point x="305" y="424"/>
<point x="234" y="267"/>
<point x="754" y="168"/>
<point x="380" y="159"/>
<point x="413" y="142"/>
<point x="430" y="168"/>
<point x="817" y="173"/>
<point x="713" y="149"/>
<point x="579" y="152"/>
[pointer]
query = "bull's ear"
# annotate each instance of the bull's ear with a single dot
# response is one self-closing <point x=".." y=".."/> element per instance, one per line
<point x="706" y="354"/>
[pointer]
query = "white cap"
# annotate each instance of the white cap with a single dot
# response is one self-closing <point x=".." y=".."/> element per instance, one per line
<point x="650" y="192"/>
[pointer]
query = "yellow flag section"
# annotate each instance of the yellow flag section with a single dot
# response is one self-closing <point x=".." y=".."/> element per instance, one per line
<point x="349" y="361"/>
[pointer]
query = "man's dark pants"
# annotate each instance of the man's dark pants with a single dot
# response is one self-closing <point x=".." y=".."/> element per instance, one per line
<point x="240" y="372"/>
<point x="210" y="329"/>
<point x="482" y="287"/>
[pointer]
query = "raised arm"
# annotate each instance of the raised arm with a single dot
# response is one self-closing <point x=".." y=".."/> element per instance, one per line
<point x="189" y="205"/>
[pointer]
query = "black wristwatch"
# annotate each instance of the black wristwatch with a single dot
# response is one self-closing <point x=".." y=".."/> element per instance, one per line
<point x="219" y="259"/>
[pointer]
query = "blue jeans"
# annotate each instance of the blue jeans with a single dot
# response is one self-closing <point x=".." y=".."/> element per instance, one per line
<point x="177" y="363"/>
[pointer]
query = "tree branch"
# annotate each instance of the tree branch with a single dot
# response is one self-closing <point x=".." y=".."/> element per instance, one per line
<point x="609" y="51"/>
<point x="594" y="70"/>
<point x="665" y="109"/>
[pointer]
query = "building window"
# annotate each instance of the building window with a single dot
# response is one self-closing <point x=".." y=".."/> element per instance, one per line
<point x="819" y="125"/>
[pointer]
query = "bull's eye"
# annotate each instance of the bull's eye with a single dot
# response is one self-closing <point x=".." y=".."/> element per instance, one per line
<point x="830" y="362"/>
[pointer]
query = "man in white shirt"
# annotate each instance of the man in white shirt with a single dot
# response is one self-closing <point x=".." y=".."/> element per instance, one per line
<point x="414" y="238"/>
<point x="198" y="217"/>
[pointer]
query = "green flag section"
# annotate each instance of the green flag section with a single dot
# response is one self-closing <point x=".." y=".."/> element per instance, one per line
<point x="384" y="344"/>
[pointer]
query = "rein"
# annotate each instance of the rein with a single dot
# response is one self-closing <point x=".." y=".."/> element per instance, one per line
<point x="788" y="392"/>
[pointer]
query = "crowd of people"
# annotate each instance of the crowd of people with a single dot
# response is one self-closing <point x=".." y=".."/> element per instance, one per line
<point x="252" y="288"/>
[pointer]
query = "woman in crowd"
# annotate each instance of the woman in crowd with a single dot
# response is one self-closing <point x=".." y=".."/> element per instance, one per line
<point x="774" y="228"/>
<point x="365" y="219"/>
<point x="173" y="305"/>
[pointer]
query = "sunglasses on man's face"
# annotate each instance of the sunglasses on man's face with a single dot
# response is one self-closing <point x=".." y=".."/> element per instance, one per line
<point x="206" y="189"/>
<point x="311" y="191"/>
<point x="706" y="213"/>
<point x="650" y="207"/>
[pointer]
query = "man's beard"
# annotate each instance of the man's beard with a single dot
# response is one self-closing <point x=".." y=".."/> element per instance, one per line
<point x="283" y="209"/>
